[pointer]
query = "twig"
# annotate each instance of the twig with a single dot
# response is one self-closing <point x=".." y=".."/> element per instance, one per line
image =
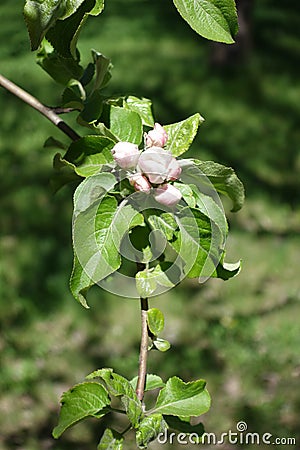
<point x="38" y="106"/>
<point x="141" y="382"/>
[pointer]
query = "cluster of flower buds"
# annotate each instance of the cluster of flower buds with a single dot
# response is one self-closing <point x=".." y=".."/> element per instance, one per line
<point x="153" y="168"/>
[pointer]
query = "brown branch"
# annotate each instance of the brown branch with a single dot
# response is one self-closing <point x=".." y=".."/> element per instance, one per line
<point x="38" y="106"/>
<point x="142" y="374"/>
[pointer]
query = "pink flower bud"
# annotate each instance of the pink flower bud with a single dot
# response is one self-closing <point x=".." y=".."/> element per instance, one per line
<point x="167" y="195"/>
<point x="140" y="183"/>
<point x="158" y="165"/>
<point x="174" y="170"/>
<point x="126" y="154"/>
<point x="157" y="136"/>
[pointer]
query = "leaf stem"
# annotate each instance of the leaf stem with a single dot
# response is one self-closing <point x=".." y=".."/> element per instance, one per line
<point x="142" y="373"/>
<point x="38" y="106"/>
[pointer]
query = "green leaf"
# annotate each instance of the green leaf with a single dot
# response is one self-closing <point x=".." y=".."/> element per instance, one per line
<point x="222" y="178"/>
<point x="116" y="384"/>
<point x="145" y="283"/>
<point x="152" y="382"/>
<point x="120" y="386"/>
<point x="178" y="398"/>
<point x="64" y="172"/>
<point x="206" y="204"/>
<point x="74" y="95"/>
<point x="133" y="408"/>
<point x="199" y="243"/>
<point x="41" y="15"/>
<point x="187" y="194"/>
<point x="80" y="283"/>
<point x="90" y="192"/>
<point x="161" y="344"/>
<point x="155" y="320"/>
<point x="102" y="130"/>
<point x="98" y="8"/>
<point x="63" y="35"/>
<point x="92" y="107"/>
<point x="164" y="222"/>
<point x="103" y="66"/>
<point x="126" y="125"/>
<point x="89" y="154"/>
<point x="181" y="134"/>
<point x="175" y="423"/>
<point x="142" y="106"/>
<point x="212" y="19"/>
<point x="111" y="440"/>
<point x="83" y="400"/>
<point x="154" y="281"/>
<point x="62" y="70"/>
<point x="97" y="234"/>
<point x="149" y="428"/>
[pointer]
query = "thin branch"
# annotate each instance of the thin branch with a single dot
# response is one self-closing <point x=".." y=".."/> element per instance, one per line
<point x="142" y="374"/>
<point x="38" y="106"/>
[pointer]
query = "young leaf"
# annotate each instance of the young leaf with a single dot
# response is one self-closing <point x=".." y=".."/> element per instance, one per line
<point x="149" y="428"/>
<point x="126" y="125"/>
<point x="181" y="134"/>
<point x="187" y="194"/>
<point x="89" y="154"/>
<point x="133" y="408"/>
<point x="152" y="382"/>
<point x="222" y="178"/>
<point x="212" y="19"/>
<point x="103" y="66"/>
<point x="145" y="283"/>
<point x="120" y="386"/>
<point x="116" y="384"/>
<point x="163" y="222"/>
<point x="161" y="344"/>
<point x="178" y="398"/>
<point x="41" y="15"/>
<point x="111" y="440"/>
<point x="155" y="320"/>
<point x="83" y="400"/>
<point x="142" y="106"/>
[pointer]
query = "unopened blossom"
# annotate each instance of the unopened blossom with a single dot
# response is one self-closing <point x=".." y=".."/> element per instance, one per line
<point x="159" y="165"/>
<point x="174" y="170"/>
<point x="126" y="154"/>
<point x="156" y="137"/>
<point x="167" y="195"/>
<point x="140" y="183"/>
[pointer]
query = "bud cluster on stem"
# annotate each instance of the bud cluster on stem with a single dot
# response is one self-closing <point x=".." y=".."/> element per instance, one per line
<point x="151" y="169"/>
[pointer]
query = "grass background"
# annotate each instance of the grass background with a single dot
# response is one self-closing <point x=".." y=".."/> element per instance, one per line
<point x="242" y="336"/>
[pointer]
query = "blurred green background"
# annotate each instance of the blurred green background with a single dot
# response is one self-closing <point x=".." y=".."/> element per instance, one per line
<point x="243" y="335"/>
